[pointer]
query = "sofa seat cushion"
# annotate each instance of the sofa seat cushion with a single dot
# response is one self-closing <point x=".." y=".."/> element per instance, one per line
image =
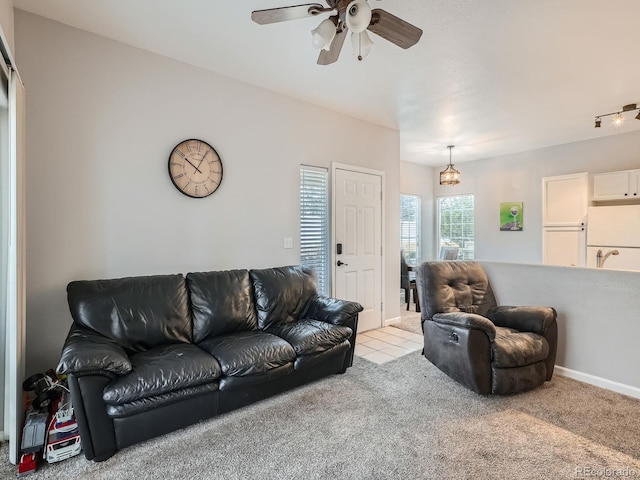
<point x="162" y="370"/>
<point x="512" y="348"/>
<point x="147" y="404"/>
<point x="249" y="353"/>
<point x="311" y="336"/>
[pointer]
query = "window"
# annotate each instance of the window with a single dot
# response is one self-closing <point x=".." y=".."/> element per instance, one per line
<point x="410" y="228"/>
<point x="314" y="223"/>
<point x="455" y="226"/>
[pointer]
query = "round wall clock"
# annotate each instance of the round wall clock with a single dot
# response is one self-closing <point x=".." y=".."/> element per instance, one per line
<point x="195" y="168"/>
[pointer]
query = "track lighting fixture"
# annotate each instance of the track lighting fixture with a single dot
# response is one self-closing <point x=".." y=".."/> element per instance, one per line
<point x="449" y="176"/>
<point x="619" y="118"/>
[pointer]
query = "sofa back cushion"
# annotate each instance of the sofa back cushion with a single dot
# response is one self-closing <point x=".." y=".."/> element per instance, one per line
<point x="222" y="302"/>
<point x="139" y="313"/>
<point x="281" y="294"/>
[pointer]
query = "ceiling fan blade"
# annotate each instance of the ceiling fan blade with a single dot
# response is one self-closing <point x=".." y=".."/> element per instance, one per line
<point x="394" y="29"/>
<point x="282" y="14"/>
<point x="331" y="56"/>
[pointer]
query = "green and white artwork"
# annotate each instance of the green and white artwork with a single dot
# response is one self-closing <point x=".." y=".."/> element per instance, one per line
<point x="511" y="216"/>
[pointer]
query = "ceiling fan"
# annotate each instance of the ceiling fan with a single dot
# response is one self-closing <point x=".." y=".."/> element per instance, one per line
<point x="354" y="15"/>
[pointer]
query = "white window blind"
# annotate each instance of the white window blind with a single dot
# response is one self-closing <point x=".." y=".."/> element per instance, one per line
<point x="314" y="223"/>
<point x="410" y="228"/>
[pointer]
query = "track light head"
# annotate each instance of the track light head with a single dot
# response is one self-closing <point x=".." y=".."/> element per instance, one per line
<point x="638" y="116"/>
<point x="618" y="121"/>
<point x="598" y="122"/>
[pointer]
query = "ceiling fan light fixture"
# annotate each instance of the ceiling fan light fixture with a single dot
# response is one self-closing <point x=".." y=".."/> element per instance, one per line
<point x="361" y="43"/>
<point x="358" y="15"/>
<point x="449" y="176"/>
<point x="323" y="35"/>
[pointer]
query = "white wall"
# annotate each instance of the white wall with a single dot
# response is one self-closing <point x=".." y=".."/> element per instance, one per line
<point x="102" y="118"/>
<point x="518" y="178"/>
<point x="6" y="23"/>
<point x="598" y="326"/>
<point x="418" y="180"/>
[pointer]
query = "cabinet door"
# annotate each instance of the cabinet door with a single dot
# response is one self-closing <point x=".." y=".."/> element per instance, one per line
<point x="565" y="199"/>
<point x="564" y="247"/>
<point x="611" y="186"/>
<point x="634" y="184"/>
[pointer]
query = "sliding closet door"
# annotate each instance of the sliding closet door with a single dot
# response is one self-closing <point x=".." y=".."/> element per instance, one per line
<point x="13" y="213"/>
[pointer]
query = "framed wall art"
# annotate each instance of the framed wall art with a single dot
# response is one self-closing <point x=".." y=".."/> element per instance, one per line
<point x="511" y="215"/>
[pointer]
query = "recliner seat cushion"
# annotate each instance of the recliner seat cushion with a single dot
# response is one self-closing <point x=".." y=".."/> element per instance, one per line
<point x="162" y="370"/>
<point x="249" y="353"/>
<point x="282" y="294"/>
<point x="311" y="336"/>
<point x="512" y="348"/>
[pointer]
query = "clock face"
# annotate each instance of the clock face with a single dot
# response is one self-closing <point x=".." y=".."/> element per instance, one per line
<point x="195" y="168"/>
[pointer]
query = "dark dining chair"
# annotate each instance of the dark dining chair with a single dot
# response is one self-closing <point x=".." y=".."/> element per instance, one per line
<point x="408" y="284"/>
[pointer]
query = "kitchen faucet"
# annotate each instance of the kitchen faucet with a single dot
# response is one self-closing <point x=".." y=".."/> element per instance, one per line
<point x="600" y="258"/>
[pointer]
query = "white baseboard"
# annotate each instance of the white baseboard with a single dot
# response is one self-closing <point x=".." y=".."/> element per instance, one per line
<point x="391" y="321"/>
<point x="598" y="381"/>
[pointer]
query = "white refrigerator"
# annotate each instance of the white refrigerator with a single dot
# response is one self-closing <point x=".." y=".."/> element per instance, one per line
<point x="564" y="218"/>
<point x="613" y="237"/>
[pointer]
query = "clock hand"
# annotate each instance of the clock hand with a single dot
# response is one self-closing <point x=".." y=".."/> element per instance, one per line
<point x="197" y="169"/>
<point x="202" y="159"/>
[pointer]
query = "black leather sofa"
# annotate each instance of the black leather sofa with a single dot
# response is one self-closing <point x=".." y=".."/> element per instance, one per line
<point x="149" y="355"/>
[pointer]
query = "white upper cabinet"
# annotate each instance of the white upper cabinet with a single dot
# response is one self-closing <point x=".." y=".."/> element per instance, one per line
<point x="565" y="199"/>
<point x="624" y="185"/>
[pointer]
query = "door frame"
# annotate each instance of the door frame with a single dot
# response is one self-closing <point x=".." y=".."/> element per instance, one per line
<point x="332" y="254"/>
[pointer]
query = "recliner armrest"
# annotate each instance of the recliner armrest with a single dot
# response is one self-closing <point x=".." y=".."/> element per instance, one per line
<point x="524" y="319"/>
<point x="86" y="351"/>
<point x="468" y="321"/>
<point x="331" y="310"/>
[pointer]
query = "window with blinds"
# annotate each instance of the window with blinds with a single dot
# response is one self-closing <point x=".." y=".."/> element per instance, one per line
<point x="314" y="223"/>
<point x="410" y="228"/>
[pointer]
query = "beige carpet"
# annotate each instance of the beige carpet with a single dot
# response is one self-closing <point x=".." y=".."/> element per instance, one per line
<point x="401" y="420"/>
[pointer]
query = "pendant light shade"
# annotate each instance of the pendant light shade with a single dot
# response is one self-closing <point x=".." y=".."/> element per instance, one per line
<point x="449" y="176"/>
<point x="361" y="44"/>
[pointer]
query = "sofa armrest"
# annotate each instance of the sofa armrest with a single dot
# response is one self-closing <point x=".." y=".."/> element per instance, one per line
<point x="525" y="319"/>
<point x="86" y="351"/>
<point x="467" y="321"/>
<point x="332" y="310"/>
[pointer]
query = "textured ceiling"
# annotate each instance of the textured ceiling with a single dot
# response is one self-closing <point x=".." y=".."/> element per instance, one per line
<point x="492" y="77"/>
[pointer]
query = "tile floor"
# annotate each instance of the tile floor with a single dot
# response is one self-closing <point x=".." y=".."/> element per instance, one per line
<point x="386" y="344"/>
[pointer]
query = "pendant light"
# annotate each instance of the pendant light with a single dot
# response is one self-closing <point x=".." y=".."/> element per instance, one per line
<point x="449" y="176"/>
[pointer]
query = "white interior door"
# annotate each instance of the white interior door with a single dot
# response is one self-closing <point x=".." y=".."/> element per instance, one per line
<point x="358" y="243"/>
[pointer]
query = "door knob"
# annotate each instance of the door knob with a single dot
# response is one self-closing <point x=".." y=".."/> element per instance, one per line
<point x="340" y="263"/>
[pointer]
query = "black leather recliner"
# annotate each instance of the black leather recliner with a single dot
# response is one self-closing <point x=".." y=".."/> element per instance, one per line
<point x="485" y="347"/>
<point x="148" y="355"/>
